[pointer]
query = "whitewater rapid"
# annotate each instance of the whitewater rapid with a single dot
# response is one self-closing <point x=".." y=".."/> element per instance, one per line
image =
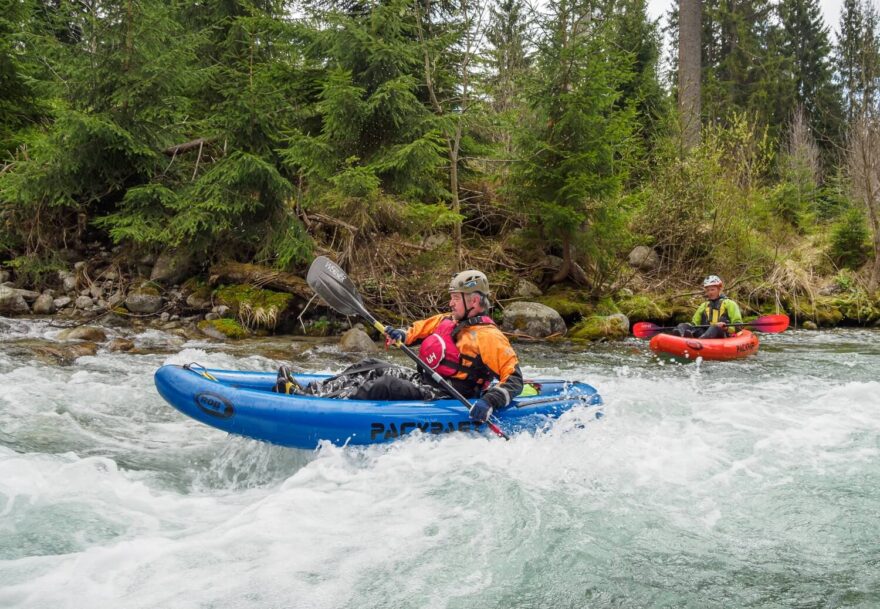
<point x="734" y="484"/>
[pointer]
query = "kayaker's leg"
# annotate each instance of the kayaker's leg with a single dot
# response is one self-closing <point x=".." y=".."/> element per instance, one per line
<point x="285" y="383"/>
<point x="388" y="387"/>
<point x="714" y="332"/>
<point x="684" y="330"/>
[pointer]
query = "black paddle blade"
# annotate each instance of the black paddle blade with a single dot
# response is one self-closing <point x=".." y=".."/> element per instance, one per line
<point x="332" y="284"/>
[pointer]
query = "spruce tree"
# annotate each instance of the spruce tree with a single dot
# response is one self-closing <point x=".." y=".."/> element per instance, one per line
<point x="19" y="106"/>
<point x="372" y="132"/>
<point x="857" y="57"/>
<point x="807" y="51"/>
<point x="575" y="151"/>
<point x="113" y="73"/>
<point x="508" y="61"/>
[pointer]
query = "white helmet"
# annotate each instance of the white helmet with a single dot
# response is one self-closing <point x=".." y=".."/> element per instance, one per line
<point x="712" y="280"/>
<point x="469" y="282"/>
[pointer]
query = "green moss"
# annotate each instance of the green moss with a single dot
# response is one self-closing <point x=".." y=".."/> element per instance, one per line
<point x="823" y="311"/>
<point x="198" y="287"/>
<point x="229" y="327"/>
<point x="643" y="308"/>
<point x="570" y="304"/>
<point x="607" y="306"/>
<point x="599" y="327"/>
<point x="148" y="287"/>
<point x="255" y="308"/>
<point x="856" y="307"/>
<point x="320" y="327"/>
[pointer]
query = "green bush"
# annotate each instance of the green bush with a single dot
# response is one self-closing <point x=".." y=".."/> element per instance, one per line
<point x="849" y="240"/>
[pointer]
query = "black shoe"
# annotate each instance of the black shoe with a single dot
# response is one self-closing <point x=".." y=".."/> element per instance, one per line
<point x="285" y="382"/>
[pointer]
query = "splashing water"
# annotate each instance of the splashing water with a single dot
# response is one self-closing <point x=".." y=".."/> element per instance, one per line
<point x="752" y="483"/>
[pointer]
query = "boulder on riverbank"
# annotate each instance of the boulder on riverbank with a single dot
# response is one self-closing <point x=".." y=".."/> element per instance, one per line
<point x="12" y="302"/>
<point x="87" y="333"/>
<point x="533" y="319"/>
<point x="222" y="329"/>
<point x="601" y="327"/>
<point x="357" y="340"/>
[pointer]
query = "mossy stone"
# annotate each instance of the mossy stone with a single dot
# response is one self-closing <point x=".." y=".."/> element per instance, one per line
<point x="228" y="327"/>
<point x="254" y="307"/>
<point x="600" y="327"/>
<point x="643" y="308"/>
<point x="570" y="304"/>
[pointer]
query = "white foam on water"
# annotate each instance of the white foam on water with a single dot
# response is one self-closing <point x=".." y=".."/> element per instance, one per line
<point x="714" y="485"/>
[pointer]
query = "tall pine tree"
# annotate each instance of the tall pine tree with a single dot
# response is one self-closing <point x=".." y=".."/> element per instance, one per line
<point x="806" y="49"/>
<point x="575" y="151"/>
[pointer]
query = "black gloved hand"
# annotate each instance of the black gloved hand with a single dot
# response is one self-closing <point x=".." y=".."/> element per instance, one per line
<point x="395" y="334"/>
<point x="480" y="411"/>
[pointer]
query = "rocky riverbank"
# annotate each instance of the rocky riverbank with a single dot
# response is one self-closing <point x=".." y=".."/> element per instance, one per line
<point x="170" y="293"/>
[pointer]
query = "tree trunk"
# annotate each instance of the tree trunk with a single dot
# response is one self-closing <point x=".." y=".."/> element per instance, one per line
<point x="864" y="170"/>
<point x="689" y="49"/>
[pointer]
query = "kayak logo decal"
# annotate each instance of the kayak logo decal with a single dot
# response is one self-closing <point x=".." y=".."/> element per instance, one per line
<point x="694" y="344"/>
<point x="335" y="271"/>
<point x="391" y="430"/>
<point x="214" y="405"/>
<point x="750" y="346"/>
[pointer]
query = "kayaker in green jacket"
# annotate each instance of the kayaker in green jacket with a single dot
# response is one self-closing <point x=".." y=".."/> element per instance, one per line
<point x="718" y="312"/>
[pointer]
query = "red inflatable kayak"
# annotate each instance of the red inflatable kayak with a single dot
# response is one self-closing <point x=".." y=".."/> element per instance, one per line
<point x="739" y="345"/>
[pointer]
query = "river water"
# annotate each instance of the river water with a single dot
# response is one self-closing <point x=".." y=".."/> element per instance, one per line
<point x="741" y="484"/>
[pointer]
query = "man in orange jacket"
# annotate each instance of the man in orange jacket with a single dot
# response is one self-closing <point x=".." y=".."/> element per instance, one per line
<point x="464" y="346"/>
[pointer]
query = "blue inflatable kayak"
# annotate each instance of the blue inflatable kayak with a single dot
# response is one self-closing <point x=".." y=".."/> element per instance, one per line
<point x="243" y="403"/>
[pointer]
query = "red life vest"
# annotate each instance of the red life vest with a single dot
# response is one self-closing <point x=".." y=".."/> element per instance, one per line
<point x="439" y="350"/>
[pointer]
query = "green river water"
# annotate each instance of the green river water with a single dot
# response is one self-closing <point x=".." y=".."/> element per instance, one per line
<point x="753" y="483"/>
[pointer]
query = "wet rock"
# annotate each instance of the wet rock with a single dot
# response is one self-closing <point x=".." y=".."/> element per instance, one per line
<point x="89" y="333"/>
<point x="143" y="302"/>
<point x="357" y="341"/>
<point x="28" y="295"/>
<point x="44" y="305"/>
<point x="533" y="319"/>
<point x="12" y="302"/>
<point x="432" y="242"/>
<point x="68" y="281"/>
<point x="62" y="301"/>
<point x="4" y="276"/>
<point x="222" y="329"/>
<point x="197" y="300"/>
<point x="642" y="308"/>
<point x="553" y="263"/>
<point x="644" y="258"/>
<point x="602" y="327"/>
<point x="172" y="266"/>
<point x="64" y="354"/>
<point x="115" y="299"/>
<point x="809" y="325"/>
<point x="526" y="289"/>
<point x="84" y="302"/>
<point x="113" y="320"/>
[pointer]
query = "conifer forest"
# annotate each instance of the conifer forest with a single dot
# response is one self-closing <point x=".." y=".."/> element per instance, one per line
<point x="411" y="138"/>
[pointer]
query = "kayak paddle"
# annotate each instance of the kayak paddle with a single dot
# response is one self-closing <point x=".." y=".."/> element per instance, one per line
<point x="332" y="284"/>
<point x="771" y="324"/>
